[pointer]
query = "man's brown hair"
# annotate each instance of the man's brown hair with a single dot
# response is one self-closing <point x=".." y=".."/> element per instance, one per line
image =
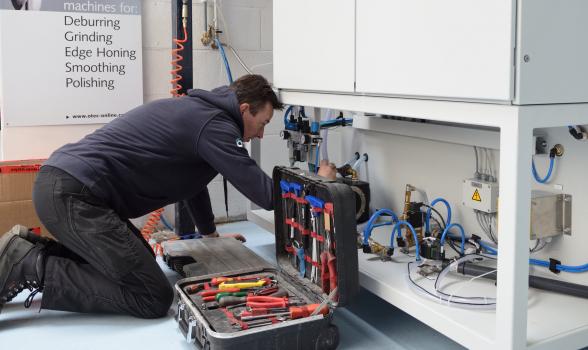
<point x="256" y="91"/>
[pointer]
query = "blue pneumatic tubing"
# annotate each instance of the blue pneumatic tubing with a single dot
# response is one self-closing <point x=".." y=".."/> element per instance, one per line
<point x="560" y="267"/>
<point x="165" y="223"/>
<point x="446" y="231"/>
<point x="435" y="201"/>
<point x="336" y="121"/>
<point x="316" y="166"/>
<point x="488" y="248"/>
<point x="289" y="125"/>
<point x="367" y="232"/>
<point x="225" y="60"/>
<point x="396" y="228"/>
<point x="536" y="174"/>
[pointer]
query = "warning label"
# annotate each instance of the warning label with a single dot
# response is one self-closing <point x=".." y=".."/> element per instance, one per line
<point x="476" y="196"/>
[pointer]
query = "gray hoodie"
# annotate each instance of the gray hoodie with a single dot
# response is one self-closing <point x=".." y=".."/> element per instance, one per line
<point x="166" y="151"/>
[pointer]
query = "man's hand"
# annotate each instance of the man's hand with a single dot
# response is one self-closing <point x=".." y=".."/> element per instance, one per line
<point x="236" y="236"/>
<point x="327" y="170"/>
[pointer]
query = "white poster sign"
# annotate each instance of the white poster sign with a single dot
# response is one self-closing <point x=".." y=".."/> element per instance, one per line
<point x="69" y="62"/>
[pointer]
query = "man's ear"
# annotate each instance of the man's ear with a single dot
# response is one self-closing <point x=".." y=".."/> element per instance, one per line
<point x="243" y="107"/>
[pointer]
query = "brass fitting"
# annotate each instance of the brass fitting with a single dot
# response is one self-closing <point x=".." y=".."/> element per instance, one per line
<point x="185" y="13"/>
<point x="559" y="150"/>
<point x="208" y="37"/>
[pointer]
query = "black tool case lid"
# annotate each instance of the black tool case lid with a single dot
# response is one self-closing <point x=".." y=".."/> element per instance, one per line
<point x="344" y="230"/>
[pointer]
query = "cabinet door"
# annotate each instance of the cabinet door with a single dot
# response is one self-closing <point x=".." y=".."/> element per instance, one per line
<point x="314" y="44"/>
<point x="450" y="49"/>
<point x="553" y="52"/>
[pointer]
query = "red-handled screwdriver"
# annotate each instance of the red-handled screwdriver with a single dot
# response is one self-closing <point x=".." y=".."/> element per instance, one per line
<point x="209" y="293"/>
<point x="293" y="312"/>
<point x="328" y="271"/>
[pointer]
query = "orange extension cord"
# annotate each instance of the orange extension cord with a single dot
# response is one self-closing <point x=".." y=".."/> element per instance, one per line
<point x="155" y="217"/>
<point x="177" y="67"/>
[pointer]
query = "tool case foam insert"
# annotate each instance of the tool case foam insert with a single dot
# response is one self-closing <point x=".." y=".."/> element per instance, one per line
<point x="214" y="329"/>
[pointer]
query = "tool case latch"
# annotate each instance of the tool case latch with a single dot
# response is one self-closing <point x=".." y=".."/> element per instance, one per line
<point x="181" y="309"/>
<point x="191" y="333"/>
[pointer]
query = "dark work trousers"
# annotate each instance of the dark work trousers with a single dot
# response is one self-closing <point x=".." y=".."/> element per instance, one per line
<point x="101" y="263"/>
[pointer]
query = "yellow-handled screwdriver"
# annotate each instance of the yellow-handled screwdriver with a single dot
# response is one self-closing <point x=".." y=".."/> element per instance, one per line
<point x="242" y="285"/>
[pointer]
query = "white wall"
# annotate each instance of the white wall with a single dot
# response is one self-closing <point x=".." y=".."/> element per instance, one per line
<point x="247" y="26"/>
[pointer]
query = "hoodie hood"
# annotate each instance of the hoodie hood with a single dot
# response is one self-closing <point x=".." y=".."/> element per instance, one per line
<point x="223" y="98"/>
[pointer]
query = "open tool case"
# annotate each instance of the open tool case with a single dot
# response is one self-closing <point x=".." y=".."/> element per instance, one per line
<point x="304" y="204"/>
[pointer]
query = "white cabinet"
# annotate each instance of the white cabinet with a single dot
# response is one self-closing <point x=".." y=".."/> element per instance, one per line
<point x="451" y="49"/>
<point x="552" y="52"/>
<point x="314" y="46"/>
<point x="521" y="52"/>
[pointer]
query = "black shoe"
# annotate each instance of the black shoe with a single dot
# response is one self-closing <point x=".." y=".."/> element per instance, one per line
<point x="22" y="265"/>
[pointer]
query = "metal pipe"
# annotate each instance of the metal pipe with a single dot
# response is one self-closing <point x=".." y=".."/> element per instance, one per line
<point x="536" y="282"/>
<point x="214" y="16"/>
<point x="205" y="3"/>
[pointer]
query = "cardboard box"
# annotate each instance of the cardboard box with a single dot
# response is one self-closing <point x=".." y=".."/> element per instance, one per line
<point x="17" y="179"/>
<point x="16" y="193"/>
<point x="19" y="212"/>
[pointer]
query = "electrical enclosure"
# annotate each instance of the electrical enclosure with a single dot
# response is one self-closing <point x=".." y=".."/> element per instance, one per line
<point x="480" y="195"/>
<point x="551" y="214"/>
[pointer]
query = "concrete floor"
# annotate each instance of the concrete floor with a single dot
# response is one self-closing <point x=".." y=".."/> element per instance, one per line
<point x="370" y="323"/>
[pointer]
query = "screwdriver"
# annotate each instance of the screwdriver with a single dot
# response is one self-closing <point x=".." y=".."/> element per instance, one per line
<point x="242" y="285"/>
<point x="328" y="259"/>
<point x="294" y="312"/>
<point x="218" y="280"/>
<point x="263" y="311"/>
<point x="234" y="294"/>
<point x="195" y="288"/>
<point x="328" y="271"/>
<point x="255" y="301"/>
<point x="209" y="293"/>
<point x="218" y="296"/>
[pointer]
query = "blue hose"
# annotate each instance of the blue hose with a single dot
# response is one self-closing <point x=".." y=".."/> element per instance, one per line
<point x="396" y="228"/>
<point x="560" y="267"/>
<point x="446" y="231"/>
<point x="287" y="124"/>
<point x="367" y="232"/>
<point x="387" y="223"/>
<point x="546" y="178"/>
<point x="225" y="60"/>
<point x="488" y="248"/>
<point x="334" y="122"/>
<point x="165" y="223"/>
<point x="428" y="217"/>
<point x="543" y="263"/>
<point x="316" y="166"/>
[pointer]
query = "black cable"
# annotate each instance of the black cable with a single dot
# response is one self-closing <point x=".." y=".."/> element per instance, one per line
<point x="436" y="212"/>
<point x="442" y="228"/>
<point x="447" y="266"/>
<point x="575" y="134"/>
<point x="536" y="282"/>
